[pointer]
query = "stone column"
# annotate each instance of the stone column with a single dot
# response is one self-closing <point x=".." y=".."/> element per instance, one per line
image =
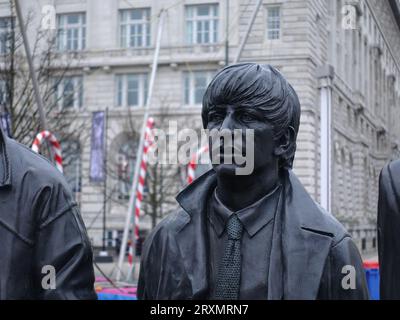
<point x="325" y="75"/>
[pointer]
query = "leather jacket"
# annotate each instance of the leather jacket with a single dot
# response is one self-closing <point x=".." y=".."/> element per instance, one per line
<point x="44" y="248"/>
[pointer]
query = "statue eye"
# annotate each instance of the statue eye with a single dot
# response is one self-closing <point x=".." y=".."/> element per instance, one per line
<point x="247" y="117"/>
<point x="215" y="117"/>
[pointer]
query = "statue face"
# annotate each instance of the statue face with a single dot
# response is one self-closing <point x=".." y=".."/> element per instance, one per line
<point x="230" y="117"/>
<point x="252" y="89"/>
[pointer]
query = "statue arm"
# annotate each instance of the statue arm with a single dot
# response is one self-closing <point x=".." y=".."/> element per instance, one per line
<point x="344" y="273"/>
<point x="63" y="255"/>
<point x="162" y="275"/>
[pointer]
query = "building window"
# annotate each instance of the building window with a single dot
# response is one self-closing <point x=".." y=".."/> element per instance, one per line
<point x="273" y="22"/>
<point x="69" y="92"/>
<point x="349" y="114"/>
<point x="362" y="125"/>
<point x="134" y="28"/>
<point x="363" y="244"/>
<point x="111" y="239"/>
<point x="72" y="165"/>
<point x="131" y="90"/>
<point x="4" y="94"/>
<point x="126" y="160"/>
<point x="195" y="85"/>
<point x="6" y="35"/>
<point x="202" y="24"/>
<point x="71" y="31"/>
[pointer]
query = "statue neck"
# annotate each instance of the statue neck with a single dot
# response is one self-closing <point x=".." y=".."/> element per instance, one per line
<point x="238" y="192"/>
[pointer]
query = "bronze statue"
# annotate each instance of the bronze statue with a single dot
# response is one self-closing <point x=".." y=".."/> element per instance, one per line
<point x="388" y="231"/>
<point x="255" y="236"/>
<point x="44" y="249"/>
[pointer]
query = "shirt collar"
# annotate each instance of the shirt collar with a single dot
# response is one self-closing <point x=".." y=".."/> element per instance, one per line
<point x="253" y="217"/>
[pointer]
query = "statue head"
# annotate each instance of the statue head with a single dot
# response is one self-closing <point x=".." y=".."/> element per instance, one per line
<point x="253" y="96"/>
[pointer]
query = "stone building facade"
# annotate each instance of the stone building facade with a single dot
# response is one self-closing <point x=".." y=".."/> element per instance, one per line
<point x="342" y="57"/>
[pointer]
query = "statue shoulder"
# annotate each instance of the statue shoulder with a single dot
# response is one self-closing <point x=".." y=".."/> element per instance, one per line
<point x="390" y="174"/>
<point x="167" y="227"/>
<point x="338" y="231"/>
<point x="33" y="165"/>
<point x="395" y="164"/>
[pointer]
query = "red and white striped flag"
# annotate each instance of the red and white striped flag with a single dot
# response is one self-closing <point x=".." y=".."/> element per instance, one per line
<point x="193" y="164"/>
<point x="148" y="142"/>
<point x="55" y="145"/>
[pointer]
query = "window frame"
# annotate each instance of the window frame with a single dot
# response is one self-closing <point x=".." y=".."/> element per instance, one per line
<point x="5" y="45"/>
<point x="124" y="178"/>
<point x="62" y="32"/>
<point x="191" y="76"/>
<point x="124" y="37"/>
<point x="193" y="19"/>
<point x="59" y="91"/>
<point x="4" y="93"/>
<point x="73" y="151"/>
<point x="143" y="87"/>
<point x="267" y="20"/>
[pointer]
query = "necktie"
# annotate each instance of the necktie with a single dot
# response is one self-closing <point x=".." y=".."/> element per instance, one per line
<point x="228" y="278"/>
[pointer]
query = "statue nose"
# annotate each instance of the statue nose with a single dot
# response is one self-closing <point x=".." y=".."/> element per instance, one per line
<point x="227" y="124"/>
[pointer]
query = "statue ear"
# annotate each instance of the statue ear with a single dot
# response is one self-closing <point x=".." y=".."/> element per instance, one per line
<point x="285" y="142"/>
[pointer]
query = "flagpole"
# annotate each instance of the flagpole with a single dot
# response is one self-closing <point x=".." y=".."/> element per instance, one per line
<point x="36" y="91"/>
<point x="249" y="27"/>
<point x="105" y="181"/>
<point x="132" y="197"/>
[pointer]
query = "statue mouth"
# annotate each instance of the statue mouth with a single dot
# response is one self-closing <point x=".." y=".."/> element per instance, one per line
<point x="227" y="154"/>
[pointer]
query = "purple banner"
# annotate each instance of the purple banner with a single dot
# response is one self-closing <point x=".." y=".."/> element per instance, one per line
<point x="5" y="123"/>
<point x="97" y="147"/>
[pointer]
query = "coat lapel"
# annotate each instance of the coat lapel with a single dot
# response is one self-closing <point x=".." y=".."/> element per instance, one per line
<point x="192" y="238"/>
<point x="306" y="242"/>
<point x="275" y="274"/>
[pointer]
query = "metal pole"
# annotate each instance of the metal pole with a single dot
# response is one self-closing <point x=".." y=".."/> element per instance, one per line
<point x="244" y="40"/>
<point x="132" y="198"/>
<point x="105" y="180"/>
<point x="227" y="33"/>
<point x="36" y="91"/>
